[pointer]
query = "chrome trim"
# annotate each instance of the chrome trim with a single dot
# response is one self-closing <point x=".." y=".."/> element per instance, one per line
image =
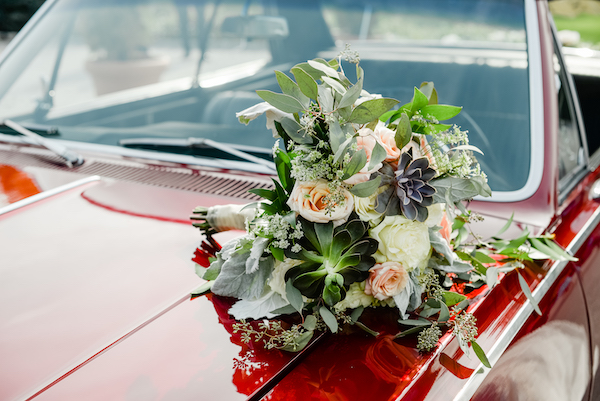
<point x="536" y="108"/>
<point x="526" y="310"/>
<point x="151" y="155"/>
<point x="47" y="194"/>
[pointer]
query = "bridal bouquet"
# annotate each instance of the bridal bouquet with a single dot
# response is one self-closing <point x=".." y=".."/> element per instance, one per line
<point x="368" y="211"/>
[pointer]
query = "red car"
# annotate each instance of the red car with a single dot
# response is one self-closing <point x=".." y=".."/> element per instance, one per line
<point x="135" y="103"/>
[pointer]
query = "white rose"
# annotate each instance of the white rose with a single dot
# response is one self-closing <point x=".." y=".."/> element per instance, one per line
<point x="436" y="214"/>
<point x="403" y="241"/>
<point x="277" y="279"/>
<point x="365" y="207"/>
<point x="308" y="200"/>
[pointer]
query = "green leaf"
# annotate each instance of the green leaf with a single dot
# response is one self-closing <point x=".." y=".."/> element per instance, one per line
<point x="452" y="298"/>
<point x="558" y="250"/>
<point x="506" y="226"/>
<point x="356" y="313"/>
<point x="527" y="292"/>
<point x="324" y="232"/>
<point x="329" y="319"/>
<point x="294" y="296"/>
<point x="267" y="194"/>
<point x="324" y="67"/>
<point x="335" y="85"/>
<point x="281" y="101"/>
<point x="480" y="354"/>
<point x="459" y="188"/>
<point x="440" y="111"/>
<point x="444" y="313"/>
<point x="351" y="95"/>
<point x="415" y="322"/>
<point x="203" y="289"/>
<point x="343" y="148"/>
<point x="295" y="131"/>
<point x="403" y="131"/>
<point x="366" y="189"/>
<point x="551" y="252"/>
<point x="419" y="101"/>
<point x="377" y="156"/>
<point x="386" y="116"/>
<point x="289" y="87"/>
<point x="371" y="110"/>
<point x="306" y="83"/>
<point x="212" y="272"/>
<point x="356" y="163"/>
<point x="483" y="258"/>
<point x="310" y="322"/>
<point x="278" y="253"/>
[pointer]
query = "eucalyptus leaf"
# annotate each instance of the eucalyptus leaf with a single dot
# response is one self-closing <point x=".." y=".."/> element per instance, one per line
<point x="281" y="101"/>
<point x="356" y="163"/>
<point x="325" y="99"/>
<point x="310" y="322"/>
<point x="306" y="83"/>
<point x="444" y="313"/>
<point x="329" y="319"/>
<point x="335" y="85"/>
<point x="323" y="67"/>
<point x="378" y="155"/>
<point x="506" y="226"/>
<point x="294" y="296"/>
<point x="403" y="131"/>
<point x="480" y="354"/>
<point x="343" y="149"/>
<point x="351" y="95"/>
<point x="355" y="315"/>
<point x="367" y="188"/>
<point x="371" y="110"/>
<point x="527" y="292"/>
<point x="415" y="322"/>
<point x="456" y="189"/>
<point x="295" y="131"/>
<point x="336" y="135"/>
<point x="289" y="87"/>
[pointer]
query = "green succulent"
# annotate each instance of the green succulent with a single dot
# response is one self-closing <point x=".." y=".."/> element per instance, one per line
<point x="333" y="258"/>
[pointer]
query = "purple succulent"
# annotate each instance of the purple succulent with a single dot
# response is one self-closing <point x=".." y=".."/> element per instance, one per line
<point x="412" y="188"/>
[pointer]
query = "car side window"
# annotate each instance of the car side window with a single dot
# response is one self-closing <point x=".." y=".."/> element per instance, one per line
<point x="571" y="148"/>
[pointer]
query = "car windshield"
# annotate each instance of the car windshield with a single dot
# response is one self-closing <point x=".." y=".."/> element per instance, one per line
<point x="104" y="71"/>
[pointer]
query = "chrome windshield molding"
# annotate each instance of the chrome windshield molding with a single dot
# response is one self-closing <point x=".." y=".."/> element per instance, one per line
<point x="171" y="158"/>
<point x="152" y="155"/>
<point x="47" y="194"/>
<point x="526" y="310"/>
<point x="536" y="107"/>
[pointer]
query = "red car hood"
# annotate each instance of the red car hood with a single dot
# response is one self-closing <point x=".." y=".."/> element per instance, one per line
<point x="94" y="288"/>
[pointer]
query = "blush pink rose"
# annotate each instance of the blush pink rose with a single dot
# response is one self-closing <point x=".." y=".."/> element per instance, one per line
<point x="366" y="140"/>
<point x="387" y="139"/>
<point x="386" y="280"/>
<point x="308" y="199"/>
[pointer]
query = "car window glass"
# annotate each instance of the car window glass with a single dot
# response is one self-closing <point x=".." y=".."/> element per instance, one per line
<point x="203" y="60"/>
<point x="570" y="149"/>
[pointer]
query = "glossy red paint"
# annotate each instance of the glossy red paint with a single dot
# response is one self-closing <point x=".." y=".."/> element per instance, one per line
<point x="122" y="326"/>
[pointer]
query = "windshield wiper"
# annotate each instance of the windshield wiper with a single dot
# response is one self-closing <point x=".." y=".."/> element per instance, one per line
<point x="196" y="143"/>
<point x="71" y="158"/>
